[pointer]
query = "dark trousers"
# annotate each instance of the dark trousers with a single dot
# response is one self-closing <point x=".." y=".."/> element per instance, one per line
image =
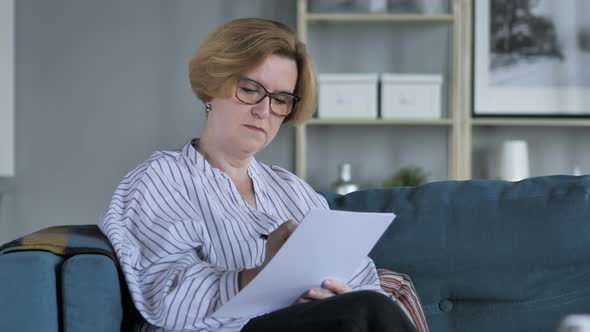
<point x="361" y="311"/>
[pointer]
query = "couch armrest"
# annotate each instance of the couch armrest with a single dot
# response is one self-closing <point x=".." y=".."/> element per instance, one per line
<point x="28" y="285"/>
<point x="91" y="294"/>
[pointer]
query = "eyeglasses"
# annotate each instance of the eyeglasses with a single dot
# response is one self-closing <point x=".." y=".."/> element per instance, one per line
<point x="252" y="92"/>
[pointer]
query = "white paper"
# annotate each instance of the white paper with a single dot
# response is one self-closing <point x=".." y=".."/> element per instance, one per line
<point x="326" y="244"/>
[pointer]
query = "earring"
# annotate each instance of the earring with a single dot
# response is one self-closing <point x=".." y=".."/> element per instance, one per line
<point x="208" y="108"/>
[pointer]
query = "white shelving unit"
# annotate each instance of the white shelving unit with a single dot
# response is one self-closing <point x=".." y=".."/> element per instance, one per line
<point x="532" y="122"/>
<point x="382" y="122"/>
<point x="548" y="135"/>
<point x="367" y="18"/>
<point x="457" y="21"/>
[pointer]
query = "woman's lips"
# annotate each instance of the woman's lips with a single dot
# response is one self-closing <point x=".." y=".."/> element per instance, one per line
<point x="254" y="128"/>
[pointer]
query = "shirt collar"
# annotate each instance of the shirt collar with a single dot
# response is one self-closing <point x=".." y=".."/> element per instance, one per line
<point x="201" y="163"/>
<point x="253" y="168"/>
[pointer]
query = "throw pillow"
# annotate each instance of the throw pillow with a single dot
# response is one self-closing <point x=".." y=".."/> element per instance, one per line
<point x="401" y="289"/>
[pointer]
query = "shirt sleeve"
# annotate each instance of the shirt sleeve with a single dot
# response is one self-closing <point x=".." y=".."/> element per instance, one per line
<point x="366" y="278"/>
<point x="304" y="191"/>
<point x="159" y="237"/>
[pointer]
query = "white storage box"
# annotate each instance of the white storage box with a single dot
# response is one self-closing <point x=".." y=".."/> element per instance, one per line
<point x="410" y="96"/>
<point x="351" y="96"/>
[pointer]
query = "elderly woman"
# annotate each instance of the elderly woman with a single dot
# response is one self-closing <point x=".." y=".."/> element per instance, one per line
<point x="192" y="227"/>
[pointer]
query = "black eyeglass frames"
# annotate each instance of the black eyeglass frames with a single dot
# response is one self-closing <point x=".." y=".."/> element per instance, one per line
<point x="252" y="92"/>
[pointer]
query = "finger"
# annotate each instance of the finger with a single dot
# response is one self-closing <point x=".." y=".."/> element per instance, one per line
<point x="318" y="294"/>
<point x="336" y="286"/>
<point x="290" y="226"/>
<point x="287" y="228"/>
<point x="304" y="300"/>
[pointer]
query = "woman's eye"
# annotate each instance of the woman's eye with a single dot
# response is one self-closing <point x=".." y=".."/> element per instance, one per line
<point x="279" y="100"/>
<point x="248" y="90"/>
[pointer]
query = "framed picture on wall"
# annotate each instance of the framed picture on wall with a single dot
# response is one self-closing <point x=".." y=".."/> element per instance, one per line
<point x="532" y="57"/>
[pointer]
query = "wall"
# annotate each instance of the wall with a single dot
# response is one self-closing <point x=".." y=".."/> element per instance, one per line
<point x="99" y="86"/>
<point x="6" y="88"/>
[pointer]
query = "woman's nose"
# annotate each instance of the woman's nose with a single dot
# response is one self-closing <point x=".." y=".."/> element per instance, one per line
<point x="262" y="109"/>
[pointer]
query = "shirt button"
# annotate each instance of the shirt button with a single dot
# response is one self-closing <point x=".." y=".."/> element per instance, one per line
<point x="445" y="305"/>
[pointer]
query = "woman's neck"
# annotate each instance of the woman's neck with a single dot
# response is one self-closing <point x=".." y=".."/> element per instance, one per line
<point x="234" y="167"/>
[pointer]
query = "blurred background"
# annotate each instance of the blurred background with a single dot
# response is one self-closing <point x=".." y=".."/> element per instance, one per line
<point x="100" y="85"/>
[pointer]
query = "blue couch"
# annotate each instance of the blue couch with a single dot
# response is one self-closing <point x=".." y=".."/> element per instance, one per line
<point x="484" y="256"/>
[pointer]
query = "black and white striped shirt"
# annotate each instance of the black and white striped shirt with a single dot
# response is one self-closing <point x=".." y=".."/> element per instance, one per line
<point x="182" y="232"/>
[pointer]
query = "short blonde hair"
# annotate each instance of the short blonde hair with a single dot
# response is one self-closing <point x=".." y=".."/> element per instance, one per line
<point x="241" y="45"/>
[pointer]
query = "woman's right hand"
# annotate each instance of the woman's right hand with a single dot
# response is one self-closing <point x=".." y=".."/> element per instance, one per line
<point x="277" y="238"/>
<point x="274" y="242"/>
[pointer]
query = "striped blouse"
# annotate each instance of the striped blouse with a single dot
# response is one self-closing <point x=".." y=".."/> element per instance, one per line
<point x="182" y="232"/>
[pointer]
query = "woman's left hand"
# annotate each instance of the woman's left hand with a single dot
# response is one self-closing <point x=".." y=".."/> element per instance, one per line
<point x="330" y="287"/>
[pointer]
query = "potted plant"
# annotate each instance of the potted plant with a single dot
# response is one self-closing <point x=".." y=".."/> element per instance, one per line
<point x="407" y="176"/>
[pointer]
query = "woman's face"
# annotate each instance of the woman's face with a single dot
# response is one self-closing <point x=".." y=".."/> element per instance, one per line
<point x="246" y="129"/>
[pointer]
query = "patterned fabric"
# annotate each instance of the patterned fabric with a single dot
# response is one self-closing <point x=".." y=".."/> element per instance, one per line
<point x="65" y="241"/>
<point x="182" y="232"/>
<point x="400" y="288"/>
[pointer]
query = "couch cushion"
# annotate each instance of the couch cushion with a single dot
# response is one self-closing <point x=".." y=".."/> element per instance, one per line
<point x="91" y="294"/>
<point x="488" y="255"/>
<point x="28" y="301"/>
